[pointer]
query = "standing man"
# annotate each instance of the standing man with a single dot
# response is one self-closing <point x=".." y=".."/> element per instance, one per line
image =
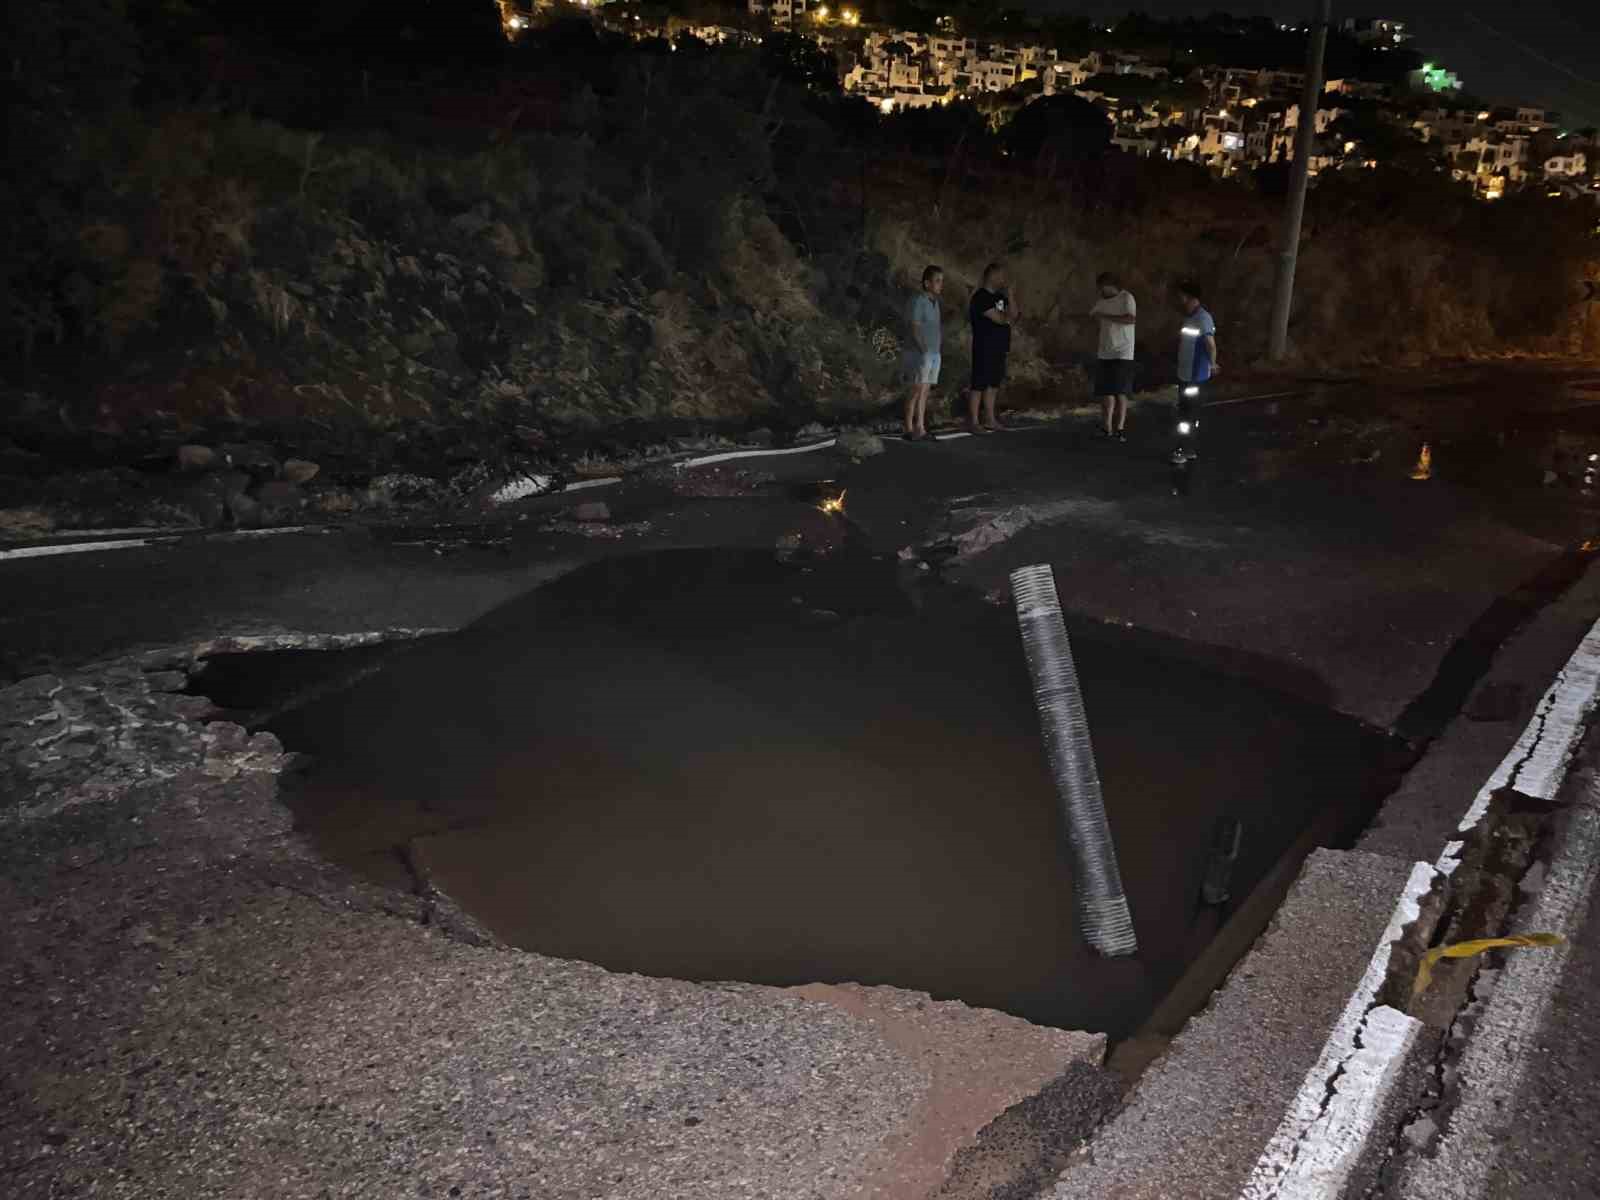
<point x="992" y="312"/>
<point x="1116" y="312"/>
<point x="922" y="360"/>
<point x="1197" y="363"/>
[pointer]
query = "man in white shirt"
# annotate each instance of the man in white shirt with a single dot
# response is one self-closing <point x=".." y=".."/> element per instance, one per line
<point x="1117" y="313"/>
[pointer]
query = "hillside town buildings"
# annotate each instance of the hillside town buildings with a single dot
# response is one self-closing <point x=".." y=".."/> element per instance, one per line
<point x="1227" y="119"/>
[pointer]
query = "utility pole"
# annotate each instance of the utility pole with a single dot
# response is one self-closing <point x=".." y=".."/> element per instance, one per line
<point x="1299" y="177"/>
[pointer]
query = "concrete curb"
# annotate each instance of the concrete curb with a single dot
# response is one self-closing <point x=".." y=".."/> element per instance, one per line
<point x="1325" y="1133"/>
<point x="1495" y="1062"/>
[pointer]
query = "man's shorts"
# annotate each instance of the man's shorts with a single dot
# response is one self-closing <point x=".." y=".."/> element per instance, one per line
<point x="988" y="369"/>
<point x="922" y="368"/>
<point x="1113" y="377"/>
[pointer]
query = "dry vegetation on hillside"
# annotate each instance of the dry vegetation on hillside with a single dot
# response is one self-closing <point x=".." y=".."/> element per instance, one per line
<point x="587" y="234"/>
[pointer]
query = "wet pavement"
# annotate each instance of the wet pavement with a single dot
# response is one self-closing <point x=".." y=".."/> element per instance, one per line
<point x="907" y="822"/>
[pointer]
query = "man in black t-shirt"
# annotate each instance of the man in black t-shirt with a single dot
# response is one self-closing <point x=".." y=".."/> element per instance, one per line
<point x="992" y="312"/>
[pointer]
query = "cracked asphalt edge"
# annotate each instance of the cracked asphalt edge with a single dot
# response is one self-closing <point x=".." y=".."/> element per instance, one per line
<point x="1494" y="1064"/>
<point x="1325" y="1131"/>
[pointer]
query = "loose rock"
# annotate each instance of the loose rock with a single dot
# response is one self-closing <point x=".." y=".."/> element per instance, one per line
<point x="246" y="512"/>
<point x="593" y="510"/>
<point x="25" y="522"/>
<point x="252" y="457"/>
<point x="299" y="470"/>
<point x="280" y="494"/>
<point x="206" y="504"/>
<point x="196" y="458"/>
<point x="858" y="444"/>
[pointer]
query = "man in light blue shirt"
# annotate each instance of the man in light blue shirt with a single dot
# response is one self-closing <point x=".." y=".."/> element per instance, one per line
<point x="1197" y="363"/>
<point x="924" y="355"/>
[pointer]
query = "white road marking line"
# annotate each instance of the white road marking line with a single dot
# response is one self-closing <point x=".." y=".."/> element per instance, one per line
<point x="1495" y="1062"/>
<point x="130" y="531"/>
<point x="48" y="549"/>
<point x="1322" y="1135"/>
<point x="535" y="485"/>
<point x="708" y="459"/>
<point x="1296" y="1162"/>
<point x="1332" y="1147"/>
<point x="82" y="547"/>
<point x="244" y="534"/>
<point x="1537" y="764"/>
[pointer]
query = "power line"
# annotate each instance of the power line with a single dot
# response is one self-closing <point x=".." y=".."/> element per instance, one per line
<point x="1532" y="53"/>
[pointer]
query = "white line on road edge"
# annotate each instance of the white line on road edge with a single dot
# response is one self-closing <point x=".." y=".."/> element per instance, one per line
<point x="538" y="485"/>
<point x="1315" y="1148"/>
<point x="1495" y="1063"/>
<point x="129" y="531"/>
<point x="245" y="534"/>
<point x="1323" y="1134"/>
<point x="127" y="543"/>
<point x="708" y="459"/>
<point x="1537" y="764"/>
<point x="81" y="547"/>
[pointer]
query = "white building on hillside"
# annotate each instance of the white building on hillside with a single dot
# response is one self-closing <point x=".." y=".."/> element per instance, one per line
<point x="1355" y="87"/>
<point x="993" y="75"/>
<point x="905" y="76"/>
<point x="781" y="12"/>
<point x="1376" y="31"/>
<point x="1572" y="165"/>
<point x="952" y="49"/>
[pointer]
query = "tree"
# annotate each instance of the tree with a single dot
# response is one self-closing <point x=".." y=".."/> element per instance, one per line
<point x="938" y="129"/>
<point x="799" y="59"/>
<point x="1062" y="128"/>
<point x="1372" y="135"/>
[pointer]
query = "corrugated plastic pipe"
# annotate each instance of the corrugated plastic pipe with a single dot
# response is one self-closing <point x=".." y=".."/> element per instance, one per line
<point x="1102" y="908"/>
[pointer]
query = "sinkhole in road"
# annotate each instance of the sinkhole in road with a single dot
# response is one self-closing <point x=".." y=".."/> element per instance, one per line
<point x="713" y="765"/>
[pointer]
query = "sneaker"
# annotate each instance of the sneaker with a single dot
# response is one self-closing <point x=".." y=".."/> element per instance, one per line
<point x="1122" y="437"/>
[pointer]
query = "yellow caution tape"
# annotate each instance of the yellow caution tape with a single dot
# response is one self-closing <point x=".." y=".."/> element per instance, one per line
<point x="1476" y="946"/>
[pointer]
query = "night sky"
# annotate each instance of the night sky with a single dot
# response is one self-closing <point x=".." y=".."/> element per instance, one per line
<point x="1544" y="52"/>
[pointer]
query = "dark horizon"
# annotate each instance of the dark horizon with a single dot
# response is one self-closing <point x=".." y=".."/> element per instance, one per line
<point x="1525" y="56"/>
